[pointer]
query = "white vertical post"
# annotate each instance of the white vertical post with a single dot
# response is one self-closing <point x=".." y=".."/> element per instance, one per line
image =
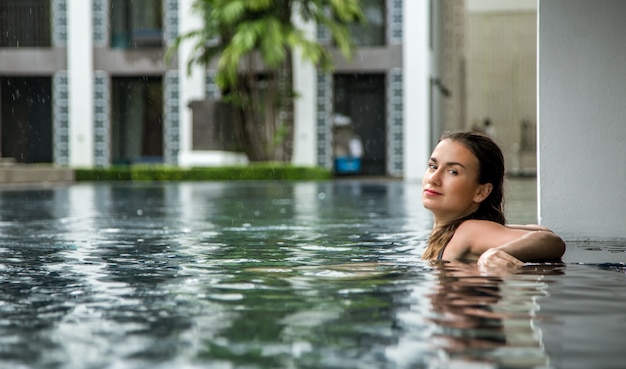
<point x="191" y="81"/>
<point x="80" y="80"/>
<point x="416" y="79"/>
<point x="582" y="135"/>
<point x="304" y="76"/>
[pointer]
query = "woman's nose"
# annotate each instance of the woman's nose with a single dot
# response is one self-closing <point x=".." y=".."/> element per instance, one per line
<point x="434" y="177"/>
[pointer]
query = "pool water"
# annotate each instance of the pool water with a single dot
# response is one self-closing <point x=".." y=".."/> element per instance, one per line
<point x="285" y="275"/>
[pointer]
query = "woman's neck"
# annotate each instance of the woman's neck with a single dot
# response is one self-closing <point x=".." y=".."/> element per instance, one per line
<point x="440" y="221"/>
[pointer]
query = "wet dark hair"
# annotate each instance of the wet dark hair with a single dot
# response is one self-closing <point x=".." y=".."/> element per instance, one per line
<point x="490" y="170"/>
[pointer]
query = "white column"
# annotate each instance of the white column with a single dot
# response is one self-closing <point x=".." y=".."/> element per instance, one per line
<point x="192" y="86"/>
<point x="80" y="80"/>
<point x="304" y="83"/>
<point x="191" y="81"/>
<point x="416" y="78"/>
<point x="581" y="110"/>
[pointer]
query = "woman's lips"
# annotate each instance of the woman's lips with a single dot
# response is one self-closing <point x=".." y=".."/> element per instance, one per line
<point x="431" y="192"/>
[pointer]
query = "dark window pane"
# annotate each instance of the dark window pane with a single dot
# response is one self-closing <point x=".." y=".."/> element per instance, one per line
<point x="373" y="32"/>
<point x="26" y="119"/>
<point x="361" y="99"/>
<point x="25" y="23"/>
<point x="137" y="120"/>
<point x="136" y="23"/>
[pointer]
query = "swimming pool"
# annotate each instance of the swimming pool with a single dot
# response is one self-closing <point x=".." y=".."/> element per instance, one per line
<point x="284" y="275"/>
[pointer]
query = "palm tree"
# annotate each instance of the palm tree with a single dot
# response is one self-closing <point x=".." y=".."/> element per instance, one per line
<point x="253" y="41"/>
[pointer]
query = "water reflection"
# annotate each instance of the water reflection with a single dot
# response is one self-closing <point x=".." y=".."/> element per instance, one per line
<point x="467" y="317"/>
<point x="484" y="317"/>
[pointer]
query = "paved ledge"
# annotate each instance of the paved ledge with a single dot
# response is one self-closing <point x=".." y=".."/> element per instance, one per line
<point x="33" y="173"/>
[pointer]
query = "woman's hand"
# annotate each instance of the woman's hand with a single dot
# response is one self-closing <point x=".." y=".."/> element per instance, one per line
<point x="496" y="260"/>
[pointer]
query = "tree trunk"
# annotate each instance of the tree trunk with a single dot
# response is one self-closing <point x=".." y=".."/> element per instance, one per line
<point x="284" y="120"/>
<point x="264" y="119"/>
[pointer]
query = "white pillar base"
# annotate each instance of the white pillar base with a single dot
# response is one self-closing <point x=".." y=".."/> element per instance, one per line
<point x="211" y="158"/>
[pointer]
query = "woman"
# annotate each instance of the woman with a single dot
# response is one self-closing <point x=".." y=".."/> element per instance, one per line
<point x="463" y="188"/>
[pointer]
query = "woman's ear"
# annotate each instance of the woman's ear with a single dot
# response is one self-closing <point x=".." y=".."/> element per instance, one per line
<point x="483" y="192"/>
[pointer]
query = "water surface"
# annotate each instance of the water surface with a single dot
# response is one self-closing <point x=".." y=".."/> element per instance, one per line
<point x="284" y="275"/>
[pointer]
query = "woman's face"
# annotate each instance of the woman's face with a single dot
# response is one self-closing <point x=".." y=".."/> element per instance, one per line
<point x="450" y="187"/>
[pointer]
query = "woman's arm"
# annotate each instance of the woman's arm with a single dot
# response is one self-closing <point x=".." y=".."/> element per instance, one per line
<point x="528" y="227"/>
<point x="534" y="246"/>
<point x="474" y="238"/>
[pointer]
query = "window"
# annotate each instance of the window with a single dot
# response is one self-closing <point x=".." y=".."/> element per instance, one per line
<point x="373" y="32"/>
<point x="136" y="23"/>
<point x="137" y="120"/>
<point x="362" y="98"/>
<point x="26" y="119"/>
<point x="25" y="23"/>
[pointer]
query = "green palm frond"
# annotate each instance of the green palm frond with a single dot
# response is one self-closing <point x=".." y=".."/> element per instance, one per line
<point x="234" y="29"/>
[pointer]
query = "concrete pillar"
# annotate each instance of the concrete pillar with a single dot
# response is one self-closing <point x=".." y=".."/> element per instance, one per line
<point x="191" y="81"/>
<point x="80" y="83"/>
<point x="416" y="79"/>
<point x="192" y="86"/>
<point x="304" y="82"/>
<point x="581" y="110"/>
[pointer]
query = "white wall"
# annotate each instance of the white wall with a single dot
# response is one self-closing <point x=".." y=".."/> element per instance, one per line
<point x="500" y="5"/>
<point x="191" y="81"/>
<point x="304" y="82"/>
<point x="416" y="82"/>
<point x="582" y="118"/>
<point x="80" y="80"/>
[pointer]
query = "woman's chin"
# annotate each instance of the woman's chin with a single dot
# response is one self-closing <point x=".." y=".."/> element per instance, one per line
<point x="429" y="204"/>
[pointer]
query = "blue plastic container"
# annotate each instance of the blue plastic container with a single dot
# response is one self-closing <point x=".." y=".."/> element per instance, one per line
<point x="347" y="164"/>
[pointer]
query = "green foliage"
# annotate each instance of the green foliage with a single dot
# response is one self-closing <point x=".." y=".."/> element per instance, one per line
<point x="104" y="174"/>
<point x="234" y="29"/>
<point x="252" y="42"/>
<point x="261" y="171"/>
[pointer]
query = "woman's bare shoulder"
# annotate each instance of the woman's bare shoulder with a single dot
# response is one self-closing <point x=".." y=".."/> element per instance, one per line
<point x="480" y="235"/>
<point x="529" y="227"/>
<point x="477" y="225"/>
<point x="469" y="233"/>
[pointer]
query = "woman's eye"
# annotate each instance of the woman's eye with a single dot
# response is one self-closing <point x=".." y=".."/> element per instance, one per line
<point x="432" y="166"/>
<point x="453" y="172"/>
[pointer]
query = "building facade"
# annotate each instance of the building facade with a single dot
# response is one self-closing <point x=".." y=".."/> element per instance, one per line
<point x="86" y="83"/>
<point x="501" y="76"/>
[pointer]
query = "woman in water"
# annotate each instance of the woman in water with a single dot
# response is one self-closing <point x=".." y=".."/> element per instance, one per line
<point x="463" y="188"/>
